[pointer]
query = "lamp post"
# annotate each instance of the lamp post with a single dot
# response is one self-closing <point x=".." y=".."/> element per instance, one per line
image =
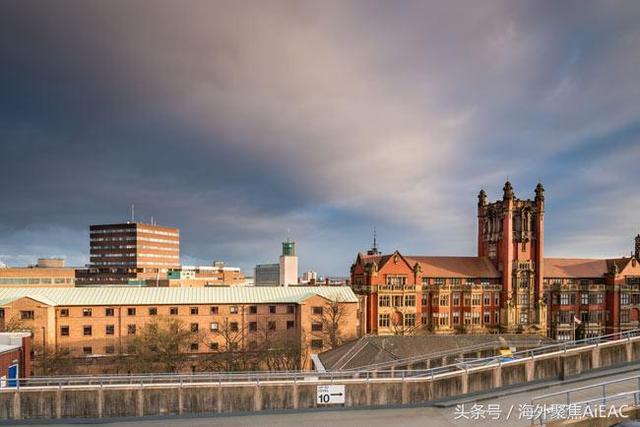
<point x="44" y="352"/>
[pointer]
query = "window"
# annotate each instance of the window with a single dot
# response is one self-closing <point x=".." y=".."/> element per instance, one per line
<point x="233" y="326"/>
<point x="64" y="312"/>
<point x="64" y="331"/>
<point x="87" y="350"/>
<point x="486" y="299"/>
<point x="444" y="319"/>
<point x="193" y="311"/>
<point x="410" y="319"/>
<point x="564" y="299"/>
<point x="131" y="311"/>
<point x="487" y="317"/>
<point x="496" y="317"/>
<point x="233" y="309"/>
<point x="496" y="299"/>
<point x="383" y="320"/>
<point x="194" y="346"/>
<point x="291" y="324"/>
<point x="86" y="312"/>
<point x="214" y="326"/>
<point x="397" y="300"/>
<point x="524" y="318"/>
<point x="624" y="316"/>
<point x="109" y="312"/>
<point x="153" y="311"/>
<point x="1" y="313"/>
<point x="109" y="349"/>
<point x="316" y="310"/>
<point x="109" y="330"/>
<point x="624" y="299"/>
<point x="213" y="346"/>
<point x="444" y="300"/>
<point x="409" y="300"/>
<point x="467" y="318"/>
<point x="131" y="329"/>
<point x="475" y="317"/>
<point x="253" y="309"/>
<point x="86" y="330"/>
<point x="475" y="299"/>
<point x="173" y="311"/>
<point x="213" y="310"/>
<point x="272" y="309"/>
<point x="316" y="327"/>
<point x="456" y="281"/>
<point x="438" y="281"/>
<point x="584" y="298"/>
<point x="456" y="317"/>
<point x="253" y="326"/>
<point x="27" y="315"/>
<point x="291" y="309"/>
<point x="425" y="299"/>
<point x="384" y="301"/>
<point x="456" y="299"/>
<point x="317" y="344"/>
<point x="194" y="327"/>
<point x="271" y="325"/>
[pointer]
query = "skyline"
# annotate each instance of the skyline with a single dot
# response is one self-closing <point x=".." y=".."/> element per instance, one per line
<point x="237" y="122"/>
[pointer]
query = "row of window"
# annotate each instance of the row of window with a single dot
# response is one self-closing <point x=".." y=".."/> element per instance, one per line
<point x="153" y="311"/>
<point x="566" y="298"/>
<point x="35" y="281"/>
<point x="87" y="330"/>
<point x="469" y="299"/>
<point x="470" y="318"/>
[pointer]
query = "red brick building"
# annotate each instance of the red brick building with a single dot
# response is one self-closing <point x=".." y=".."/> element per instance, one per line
<point x="509" y="286"/>
<point x="15" y="357"/>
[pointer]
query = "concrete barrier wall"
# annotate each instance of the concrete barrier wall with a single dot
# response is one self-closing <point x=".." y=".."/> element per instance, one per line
<point x="175" y="399"/>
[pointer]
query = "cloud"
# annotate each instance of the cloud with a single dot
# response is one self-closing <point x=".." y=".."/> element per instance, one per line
<point x="238" y="120"/>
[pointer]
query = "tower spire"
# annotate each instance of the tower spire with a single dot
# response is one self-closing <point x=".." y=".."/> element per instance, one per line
<point x="374" y="248"/>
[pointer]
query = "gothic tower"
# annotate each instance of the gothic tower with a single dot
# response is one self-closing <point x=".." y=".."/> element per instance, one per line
<point x="511" y="235"/>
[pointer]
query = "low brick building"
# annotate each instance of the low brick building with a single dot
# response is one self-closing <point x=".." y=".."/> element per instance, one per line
<point x="15" y="357"/>
<point x="95" y="322"/>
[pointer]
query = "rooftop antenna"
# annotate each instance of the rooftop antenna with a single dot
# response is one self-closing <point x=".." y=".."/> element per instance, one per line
<point x="152" y="220"/>
<point x="375" y="240"/>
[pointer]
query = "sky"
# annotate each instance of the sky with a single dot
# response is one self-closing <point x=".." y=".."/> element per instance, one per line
<point x="237" y="121"/>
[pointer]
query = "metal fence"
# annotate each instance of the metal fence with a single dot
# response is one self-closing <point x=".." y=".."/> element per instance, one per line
<point x="621" y="391"/>
<point x="295" y="376"/>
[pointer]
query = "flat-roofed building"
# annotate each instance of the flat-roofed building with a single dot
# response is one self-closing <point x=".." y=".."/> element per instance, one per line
<point x="98" y="321"/>
<point x="46" y="273"/>
<point x="15" y="357"/>
<point x="217" y="274"/>
<point x="130" y="251"/>
<point x="267" y="275"/>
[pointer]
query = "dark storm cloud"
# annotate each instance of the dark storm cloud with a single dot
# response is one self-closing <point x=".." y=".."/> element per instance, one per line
<point x="238" y="120"/>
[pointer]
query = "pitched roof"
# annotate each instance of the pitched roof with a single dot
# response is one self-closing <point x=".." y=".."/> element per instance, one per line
<point x="371" y="349"/>
<point x="151" y="296"/>
<point x="455" y="266"/>
<point x="575" y="267"/>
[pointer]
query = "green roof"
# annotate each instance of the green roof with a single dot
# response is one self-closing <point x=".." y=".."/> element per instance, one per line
<point x="160" y="296"/>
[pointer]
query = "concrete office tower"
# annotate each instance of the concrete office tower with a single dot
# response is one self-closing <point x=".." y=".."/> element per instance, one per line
<point x="288" y="263"/>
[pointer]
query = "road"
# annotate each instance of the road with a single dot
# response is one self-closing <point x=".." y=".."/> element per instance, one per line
<point x="405" y="417"/>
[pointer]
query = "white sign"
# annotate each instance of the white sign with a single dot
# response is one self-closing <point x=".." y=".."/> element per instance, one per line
<point x="330" y="394"/>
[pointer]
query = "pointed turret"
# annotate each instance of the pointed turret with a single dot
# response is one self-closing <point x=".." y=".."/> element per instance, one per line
<point x="508" y="191"/>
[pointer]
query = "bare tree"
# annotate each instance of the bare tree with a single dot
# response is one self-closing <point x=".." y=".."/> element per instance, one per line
<point x="163" y="344"/>
<point x="53" y="361"/>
